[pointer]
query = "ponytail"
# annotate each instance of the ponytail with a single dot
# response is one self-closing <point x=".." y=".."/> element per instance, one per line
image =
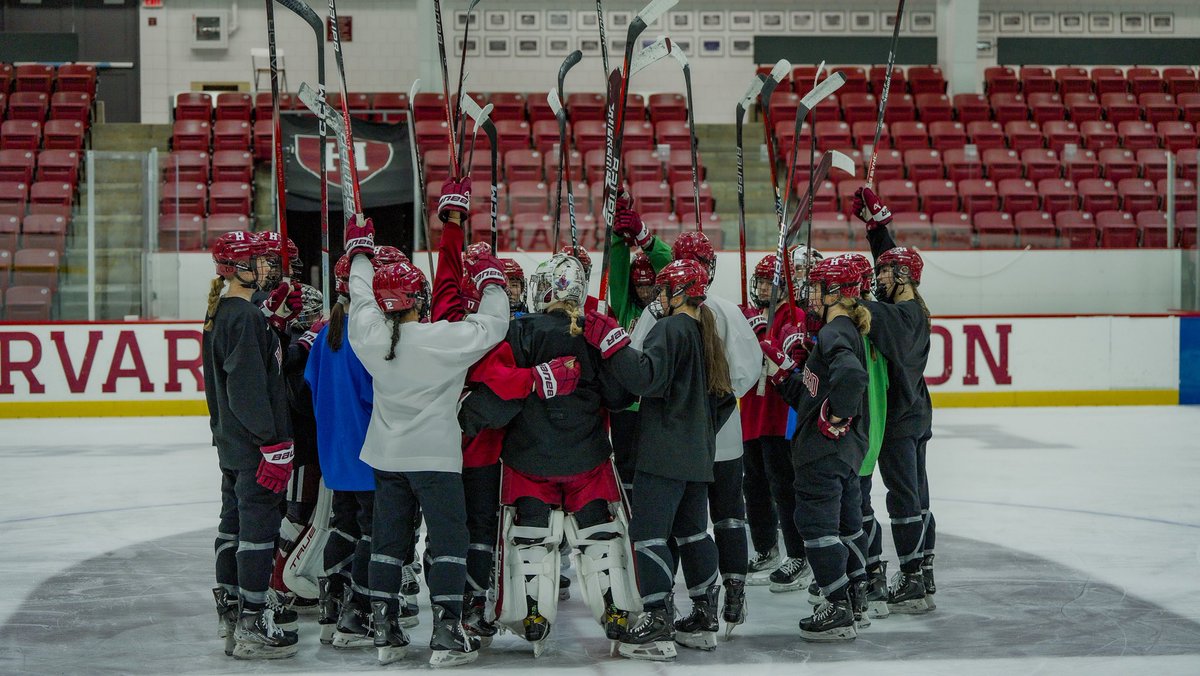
<point x="337" y="326"/>
<point x="858" y="313"/>
<point x="571" y="309"/>
<point x="394" y="318"/>
<point x="924" y="307"/>
<point x="214" y="297"/>
<point x="716" y="368"/>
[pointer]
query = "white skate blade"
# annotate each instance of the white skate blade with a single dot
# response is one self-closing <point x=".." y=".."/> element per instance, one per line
<point x="758" y="580"/>
<point x="658" y="651"/>
<point x="776" y="588"/>
<point x="700" y="640"/>
<point x="409" y="622"/>
<point x="327" y="631"/>
<point x="389" y="654"/>
<point x="912" y="607"/>
<point x="229" y="644"/>
<point x="839" y="634"/>
<point x="451" y="658"/>
<point x="256" y="651"/>
<point x="878" y="609"/>
<point x="929" y="603"/>
<point x="540" y="647"/>
<point x="346" y="640"/>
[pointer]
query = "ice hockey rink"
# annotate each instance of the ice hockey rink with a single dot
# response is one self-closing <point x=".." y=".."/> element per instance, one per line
<point x="1069" y="543"/>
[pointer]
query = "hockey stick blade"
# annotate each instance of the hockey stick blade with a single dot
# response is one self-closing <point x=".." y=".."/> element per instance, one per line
<point x="781" y="70"/>
<point x="822" y="91"/>
<point x="652" y="12"/>
<point x="657" y="50"/>
<point x="831" y="159"/>
<point x="555" y="103"/>
<point x="752" y="92"/>
<point x="568" y="63"/>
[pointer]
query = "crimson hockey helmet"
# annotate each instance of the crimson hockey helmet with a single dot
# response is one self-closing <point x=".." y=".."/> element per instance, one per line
<point x="684" y="277"/>
<point x="274" y="243"/>
<point x="341" y="276"/>
<point x="559" y="279"/>
<point x="311" y="306"/>
<point x="764" y="271"/>
<point x="580" y="254"/>
<point x="512" y="270"/>
<point x="641" y="272"/>
<point x="906" y="263"/>
<point x="479" y="249"/>
<point x="840" y="274"/>
<point x="696" y="246"/>
<point x="399" y="287"/>
<point x="236" y="251"/>
<point x="387" y="255"/>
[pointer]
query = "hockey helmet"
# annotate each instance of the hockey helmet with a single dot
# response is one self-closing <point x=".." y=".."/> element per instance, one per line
<point x="684" y="277"/>
<point x="641" y="272"/>
<point x="386" y="255"/>
<point x="906" y="263"/>
<point x="696" y="246"/>
<point x="562" y="278"/>
<point x="479" y="249"/>
<point x="804" y="257"/>
<point x="311" y="306"/>
<point x="841" y="274"/>
<point x="235" y="252"/>
<point x="274" y="255"/>
<point x="399" y="287"/>
<point x="341" y="276"/>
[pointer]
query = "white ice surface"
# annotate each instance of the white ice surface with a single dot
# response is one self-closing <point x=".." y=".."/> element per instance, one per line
<point x="1103" y="500"/>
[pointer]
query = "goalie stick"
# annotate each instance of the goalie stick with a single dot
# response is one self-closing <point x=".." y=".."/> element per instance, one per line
<point x="418" y="172"/>
<point x="742" y="106"/>
<point x="564" y="146"/>
<point x="883" y="94"/>
<point x="306" y="563"/>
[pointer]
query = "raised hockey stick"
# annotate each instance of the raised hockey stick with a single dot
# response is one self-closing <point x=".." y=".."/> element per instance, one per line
<point x="618" y="95"/>
<point x="418" y="172"/>
<point x="480" y="116"/>
<point x="742" y="106"/>
<point x="347" y="154"/>
<point x="809" y="103"/>
<point x="441" y="41"/>
<point x="349" y="180"/>
<point x="883" y="94"/>
<point x="835" y="160"/>
<point x="603" y="39"/>
<point x="564" y="140"/>
<point x="483" y="119"/>
<point x="687" y="83"/>
<point x="277" y="145"/>
<point x="560" y="114"/>
<point x="651" y="53"/>
<point x="310" y="17"/>
<point x="462" y="70"/>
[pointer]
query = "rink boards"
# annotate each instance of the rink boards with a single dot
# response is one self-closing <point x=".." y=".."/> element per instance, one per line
<point x="154" y="368"/>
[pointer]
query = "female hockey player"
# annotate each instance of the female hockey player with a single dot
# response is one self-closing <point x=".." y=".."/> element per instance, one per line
<point x="683" y="380"/>
<point x="516" y="287"/>
<point x="727" y="507"/>
<point x="413" y="441"/>
<point x="830" y="398"/>
<point x="901" y="332"/>
<point x="248" y="414"/>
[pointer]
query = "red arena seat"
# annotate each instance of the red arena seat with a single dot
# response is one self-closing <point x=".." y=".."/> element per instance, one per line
<point x="1076" y="229"/>
<point x="995" y="230"/>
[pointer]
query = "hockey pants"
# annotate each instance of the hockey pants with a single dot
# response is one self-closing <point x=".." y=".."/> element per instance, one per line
<point x="481" y="486"/>
<point x="245" y="544"/>
<point x="829" y="518"/>
<point x="671" y="508"/>
<point x="760" y="506"/>
<point x="902" y="467"/>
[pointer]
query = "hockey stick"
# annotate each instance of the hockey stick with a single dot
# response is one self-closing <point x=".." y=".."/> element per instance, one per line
<point x="323" y="110"/>
<point x="305" y="564"/>
<point x="462" y="69"/>
<point x="441" y="41"/>
<point x="480" y="116"/>
<point x="781" y="70"/>
<point x="743" y="104"/>
<point x="564" y="142"/>
<point x="564" y="173"/>
<point x="310" y="17"/>
<point x="809" y="103"/>
<point x="603" y="39"/>
<point x="687" y="82"/>
<point x="418" y="176"/>
<point x="836" y="160"/>
<point x="277" y="145"/>
<point x="618" y="94"/>
<point x="653" y="52"/>
<point x="347" y="156"/>
<point x="883" y="95"/>
<point x="812" y="165"/>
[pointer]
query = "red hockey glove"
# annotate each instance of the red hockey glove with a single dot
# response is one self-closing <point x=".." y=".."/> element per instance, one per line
<point x="629" y="226"/>
<point x="758" y="322"/>
<point x="792" y="342"/>
<point x="456" y="199"/>
<point x="604" y="333"/>
<point x="624" y="201"/>
<point x="275" y="468"/>
<point x="310" y="336"/>
<point x="781" y="363"/>
<point x="283" y="305"/>
<point x="830" y="429"/>
<point x="557" y="377"/>
<point x="870" y="210"/>
<point x="360" y="237"/>
<point x="485" y="269"/>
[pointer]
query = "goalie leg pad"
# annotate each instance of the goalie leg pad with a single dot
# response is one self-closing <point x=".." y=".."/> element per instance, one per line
<point x="605" y="562"/>
<point x="530" y="568"/>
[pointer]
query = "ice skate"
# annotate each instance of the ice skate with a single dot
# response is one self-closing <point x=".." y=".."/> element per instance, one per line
<point x="652" y="638"/>
<point x="475" y="619"/>
<point x="537" y="629"/>
<point x="354" y="624"/>
<point x="285" y="618"/>
<point x="814" y="594"/>
<point x="410" y="614"/>
<point x="733" y="610"/>
<point x="761" y="565"/>
<point x="616" y="621"/>
<point x="390" y="641"/>
<point x="227" y="614"/>
<point x="409" y="586"/>
<point x="831" y="621"/>
<point x="790" y="576"/>
<point x="930" y="585"/>
<point x="877" y="592"/>
<point x="699" y="630"/>
<point x="257" y="637"/>
<point x="564" y="588"/>
<point x="858" y="603"/>
<point x="450" y="643"/>
<point x="329" y="607"/>
<point x="907" y="595"/>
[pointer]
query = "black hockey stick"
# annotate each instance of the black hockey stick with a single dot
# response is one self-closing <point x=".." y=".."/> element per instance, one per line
<point x="462" y="70"/>
<point x="809" y="103"/>
<point x="347" y="157"/>
<point x="743" y="104"/>
<point x="483" y="119"/>
<point x="564" y="141"/>
<point x="419" y="217"/>
<point x="441" y="40"/>
<point x="277" y="145"/>
<point x="687" y="82"/>
<point x="781" y="70"/>
<point x="603" y="39"/>
<point x="883" y="94"/>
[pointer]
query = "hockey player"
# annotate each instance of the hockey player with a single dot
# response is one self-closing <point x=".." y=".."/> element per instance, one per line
<point x="516" y="287"/>
<point x="413" y="442"/>
<point x="829" y="395"/>
<point x="683" y="379"/>
<point x="901" y="332"/>
<point x="270" y="270"/>
<point x="248" y="414"/>
<point x="727" y="507"/>
<point x="581" y="254"/>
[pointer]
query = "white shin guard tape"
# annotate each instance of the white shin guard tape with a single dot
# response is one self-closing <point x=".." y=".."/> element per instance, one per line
<point x="605" y="563"/>
<point x="530" y="569"/>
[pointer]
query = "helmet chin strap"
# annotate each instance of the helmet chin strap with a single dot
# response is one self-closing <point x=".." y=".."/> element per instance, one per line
<point x="252" y="284"/>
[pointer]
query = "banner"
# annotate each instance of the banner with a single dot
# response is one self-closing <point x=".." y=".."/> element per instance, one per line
<point x="381" y="152"/>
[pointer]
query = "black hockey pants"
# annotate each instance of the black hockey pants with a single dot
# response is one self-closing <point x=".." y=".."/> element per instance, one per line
<point x="245" y="544"/>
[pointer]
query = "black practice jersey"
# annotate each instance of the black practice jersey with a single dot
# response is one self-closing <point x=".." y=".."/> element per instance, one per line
<point x="304" y="421"/>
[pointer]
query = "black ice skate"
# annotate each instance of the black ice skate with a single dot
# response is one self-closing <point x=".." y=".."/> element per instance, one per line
<point x="907" y="595"/>
<point x="699" y="630"/>
<point x="790" y="576"/>
<point x="877" y="592"/>
<point x="354" y="624"/>
<point x="409" y="614"/>
<point x="285" y="618"/>
<point x="616" y="621"/>
<point x="329" y="608"/>
<point x="815" y="598"/>
<point x="537" y="627"/>
<point x="831" y="621"/>
<point x="652" y="637"/>
<point x="930" y="585"/>
<point x="257" y="637"/>
<point x="227" y="615"/>
<point x="733" y="610"/>
<point x="858" y="602"/>
<point x="475" y="619"/>
<point x="409" y="586"/>
<point x="564" y="588"/>
<point x="760" y="564"/>
<point x="450" y="643"/>
<point x="390" y="641"/>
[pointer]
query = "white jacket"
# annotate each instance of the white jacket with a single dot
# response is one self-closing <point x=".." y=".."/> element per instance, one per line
<point x="414" y="421"/>
<point x="741" y="352"/>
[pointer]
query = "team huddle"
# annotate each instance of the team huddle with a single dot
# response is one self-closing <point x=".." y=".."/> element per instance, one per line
<point x="656" y="430"/>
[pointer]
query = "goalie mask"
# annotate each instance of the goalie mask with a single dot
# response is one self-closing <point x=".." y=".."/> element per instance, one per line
<point x="560" y="279"/>
<point x="311" y="301"/>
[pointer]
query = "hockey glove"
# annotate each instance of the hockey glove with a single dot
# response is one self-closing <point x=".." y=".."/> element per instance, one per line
<point x="629" y="226"/>
<point x="870" y="210"/>
<point x="485" y="269"/>
<point x="793" y="343"/>
<point x="758" y="322"/>
<point x="832" y="430"/>
<point x="604" y="333"/>
<point x="456" y="199"/>
<point x="310" y="336"/>
<point x="275" y="468"/>
<point x="360" y="239"/>
<point x="283" y="305"/>
<point x="779" y="364"/>
<point x="557" y="377"/>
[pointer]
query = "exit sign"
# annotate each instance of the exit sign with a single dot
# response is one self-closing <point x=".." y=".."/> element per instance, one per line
<point x="152" y="4"/>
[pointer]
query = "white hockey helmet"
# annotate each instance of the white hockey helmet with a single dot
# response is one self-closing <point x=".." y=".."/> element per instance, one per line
<point x="804" y="257"/>
<point x="559" y="279"/>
